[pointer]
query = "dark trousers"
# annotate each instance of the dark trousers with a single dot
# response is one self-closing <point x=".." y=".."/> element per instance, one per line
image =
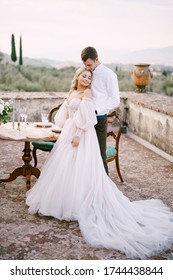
<point x="101" y="130"/>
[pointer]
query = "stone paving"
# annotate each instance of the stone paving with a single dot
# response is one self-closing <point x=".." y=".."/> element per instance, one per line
<point x="30" y="237"/>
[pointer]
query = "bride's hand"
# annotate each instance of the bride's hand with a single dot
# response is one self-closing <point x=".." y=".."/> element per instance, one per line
<point x="75" y="141"/>
<point x="87" y="93"/>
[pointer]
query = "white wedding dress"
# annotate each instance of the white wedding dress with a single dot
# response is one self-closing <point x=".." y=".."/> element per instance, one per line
<point x="73" y="185"/>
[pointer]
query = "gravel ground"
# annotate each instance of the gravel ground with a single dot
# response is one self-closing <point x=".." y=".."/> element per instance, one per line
<point x="26" y="237"/>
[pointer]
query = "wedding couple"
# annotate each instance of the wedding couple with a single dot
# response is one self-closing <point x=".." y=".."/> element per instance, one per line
<point x="74" y="182"/>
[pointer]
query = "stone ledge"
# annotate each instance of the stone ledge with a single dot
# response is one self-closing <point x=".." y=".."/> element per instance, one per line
<point x="153" y="101"/>
<point x="150" y="117"/>
<point x="32" y="95"/>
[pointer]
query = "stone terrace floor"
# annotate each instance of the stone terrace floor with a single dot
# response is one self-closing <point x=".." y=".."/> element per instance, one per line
<point x="23" y="236"/>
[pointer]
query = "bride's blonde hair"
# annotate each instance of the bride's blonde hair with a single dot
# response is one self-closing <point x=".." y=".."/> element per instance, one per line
<point x="74" y="82"/>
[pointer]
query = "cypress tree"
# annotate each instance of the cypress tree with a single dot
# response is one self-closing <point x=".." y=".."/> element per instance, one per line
<point x="1" y="56"/>
<point x="20" y="52"/>
<point x="13" y="49"/>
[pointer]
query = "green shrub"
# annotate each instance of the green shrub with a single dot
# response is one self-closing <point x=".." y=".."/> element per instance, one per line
<point x="29" y="78"/>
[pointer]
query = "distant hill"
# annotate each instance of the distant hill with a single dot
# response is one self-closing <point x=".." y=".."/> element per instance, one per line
<point x="160" y="56"/>
<point x="153" y="56"/>
<point x="30" y="61"/>
<point x="41" y="62"/>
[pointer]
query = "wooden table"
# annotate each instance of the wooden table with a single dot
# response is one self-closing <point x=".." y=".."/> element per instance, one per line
<point x="25" y="135"/>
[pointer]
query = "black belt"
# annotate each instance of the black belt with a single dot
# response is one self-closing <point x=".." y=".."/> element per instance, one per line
<point x="102" y="116"/>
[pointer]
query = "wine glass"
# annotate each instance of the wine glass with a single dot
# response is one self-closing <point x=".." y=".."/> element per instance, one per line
<point x="23" y="116"/>
<point x="44" y="116"/>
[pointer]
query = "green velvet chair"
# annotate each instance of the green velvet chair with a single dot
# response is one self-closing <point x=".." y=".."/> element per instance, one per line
<point x="45" y="146"/>
<point x="112" y="150"/>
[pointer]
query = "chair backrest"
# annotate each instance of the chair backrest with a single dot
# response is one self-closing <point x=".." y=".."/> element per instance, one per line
<point x="114" y="127"/>
<point x="114" y="130"/>
<point x="53" y="112"/>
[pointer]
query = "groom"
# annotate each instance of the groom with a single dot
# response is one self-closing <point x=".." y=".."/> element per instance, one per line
<point x="105" y="91"/>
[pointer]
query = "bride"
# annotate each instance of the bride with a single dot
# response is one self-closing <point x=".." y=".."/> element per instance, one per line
<point x="73" y="185"/>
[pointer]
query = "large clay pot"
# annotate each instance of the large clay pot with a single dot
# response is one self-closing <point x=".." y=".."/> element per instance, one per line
<point x="141" y="77"/>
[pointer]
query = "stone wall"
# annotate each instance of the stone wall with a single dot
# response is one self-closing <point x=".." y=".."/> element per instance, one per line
<point x="33" y="102"/>
<point x="148" y="115"/>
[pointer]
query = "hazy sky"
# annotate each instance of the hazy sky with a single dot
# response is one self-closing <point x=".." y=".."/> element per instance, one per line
<point x="60" y="29"/>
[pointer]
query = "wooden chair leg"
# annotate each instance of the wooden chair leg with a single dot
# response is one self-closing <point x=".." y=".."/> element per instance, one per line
<point x="118" y="168"/>
<point x="34" y="156"/>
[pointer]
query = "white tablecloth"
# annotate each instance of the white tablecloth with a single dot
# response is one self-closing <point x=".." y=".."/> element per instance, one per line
<point x="28" y="131"/>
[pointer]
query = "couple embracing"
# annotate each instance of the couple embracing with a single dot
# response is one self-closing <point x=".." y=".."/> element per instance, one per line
<point x="74" y="182"/>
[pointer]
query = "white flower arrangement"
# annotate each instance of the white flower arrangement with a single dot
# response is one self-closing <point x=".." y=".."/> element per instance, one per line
<point x="6" y="107"/>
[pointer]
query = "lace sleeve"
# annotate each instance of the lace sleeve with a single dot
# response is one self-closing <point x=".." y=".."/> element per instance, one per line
<point x="85" y="117"/>
<point x="78" y="132"/>
<point x="62" y="114"/>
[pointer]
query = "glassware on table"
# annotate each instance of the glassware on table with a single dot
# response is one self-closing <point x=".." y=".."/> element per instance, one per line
<point x="23" y="118"/>
<point x="44" y="116"/>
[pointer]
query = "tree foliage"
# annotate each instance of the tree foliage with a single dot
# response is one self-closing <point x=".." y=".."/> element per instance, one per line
<point x="20" y="52"/>
<point x="41" y="79"/>
<point x="1" y="56"/>
<point x="33" y="79"/>
<point x="13" y="49"/>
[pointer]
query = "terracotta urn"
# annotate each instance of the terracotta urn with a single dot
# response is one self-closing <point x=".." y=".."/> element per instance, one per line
<point x="141" y="76"/>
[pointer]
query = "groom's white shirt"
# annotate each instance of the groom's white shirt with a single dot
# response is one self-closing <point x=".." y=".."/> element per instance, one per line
<point x="105" y="90"/>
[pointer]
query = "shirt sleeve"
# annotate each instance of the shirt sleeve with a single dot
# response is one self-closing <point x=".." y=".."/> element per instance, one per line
<point x="113" y="90"/>
<point x="105" y="91"/>
<point x="113" y="98"/>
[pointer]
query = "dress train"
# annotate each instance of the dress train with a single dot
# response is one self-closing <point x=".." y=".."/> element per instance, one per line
<point x="73" y="185"/>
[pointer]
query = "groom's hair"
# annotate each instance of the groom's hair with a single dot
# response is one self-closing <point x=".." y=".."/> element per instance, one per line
<point x="89" y="52"/>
